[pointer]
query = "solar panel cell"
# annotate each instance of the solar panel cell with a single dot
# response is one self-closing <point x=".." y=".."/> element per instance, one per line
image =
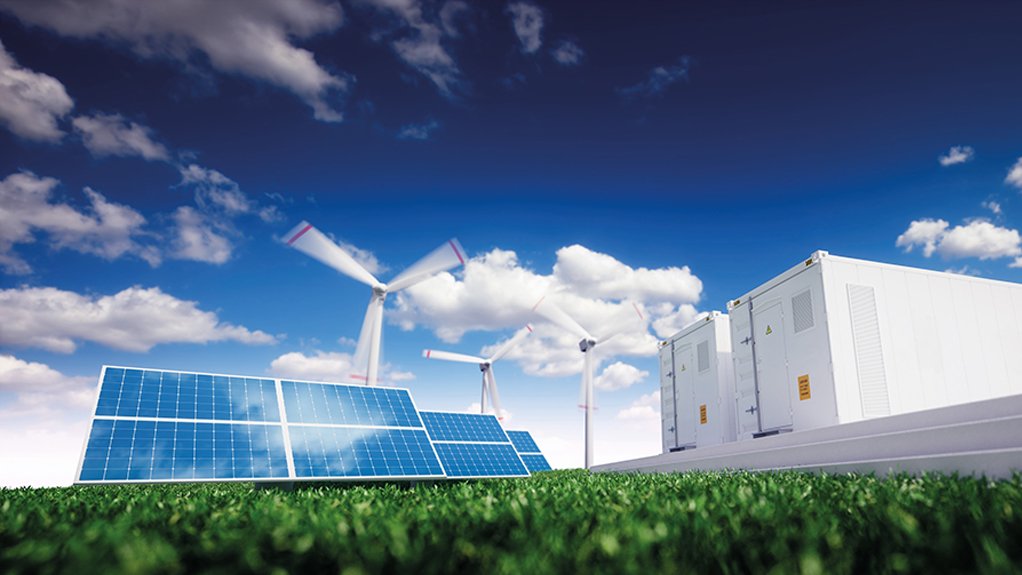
<point x="145" y="450"/>
<point x="535" y="462"/>
<point x="334" y="404"/>
<point x="362" y="452"/>
<point x="523" y="441"/>
<point x="444" y="426"/>
<point x="480" y="460"/>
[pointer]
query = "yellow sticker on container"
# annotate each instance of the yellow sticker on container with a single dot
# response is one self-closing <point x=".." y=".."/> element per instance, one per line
<point x="702" y="414"/>
<point x="803" y="387"/>
<point x="769" y="331"/>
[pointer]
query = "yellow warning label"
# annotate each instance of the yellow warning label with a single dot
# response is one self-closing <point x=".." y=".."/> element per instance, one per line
<point x="702" y="414"/>
<point x="769" y="331"/>
<point x="683" y="367"/>
<point x="803" y="387"/>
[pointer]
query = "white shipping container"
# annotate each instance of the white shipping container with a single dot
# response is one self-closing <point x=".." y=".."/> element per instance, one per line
<point x="835" y="340"/>
<point x="696" y="385"/>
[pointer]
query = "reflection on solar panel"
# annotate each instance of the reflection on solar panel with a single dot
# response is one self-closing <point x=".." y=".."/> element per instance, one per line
<point x="363" y="452"/>
<point x="157" y="425"/>
<point x="472" y="445"/>
<point x="529" y="451"/>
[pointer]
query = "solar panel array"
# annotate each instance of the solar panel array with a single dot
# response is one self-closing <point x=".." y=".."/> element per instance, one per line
<point x="531" y="456"/>
<point x="472" y="445"/>
<point x="158" y="425"/>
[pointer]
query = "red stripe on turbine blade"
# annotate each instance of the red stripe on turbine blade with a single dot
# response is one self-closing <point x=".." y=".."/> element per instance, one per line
<point x="528" y="327"/>
<point x="638" y="311"/>
<point x="537" y="303"/>
<point x="356" y="376"/>
<point x="456" y="252"/>
<point x="299" y="234"/>
<point x="428" y="352"/>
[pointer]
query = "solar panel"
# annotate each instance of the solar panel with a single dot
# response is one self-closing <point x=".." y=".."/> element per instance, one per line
<point x="472" y="445"/>
<point x="160" y="425"/>
<point x="523" y="441"/>
<point x="535" y="462"/>
<point x="529" y="451"/>
<point x="444" y="426"/>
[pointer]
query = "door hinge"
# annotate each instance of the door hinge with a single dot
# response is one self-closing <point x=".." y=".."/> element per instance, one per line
<point x="751" y="409"/>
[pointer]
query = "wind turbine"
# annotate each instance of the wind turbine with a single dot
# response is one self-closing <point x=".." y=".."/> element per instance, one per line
<point x="556" y="315"/>
<point x="485" y="365"/>
<point x="312" y="242"/>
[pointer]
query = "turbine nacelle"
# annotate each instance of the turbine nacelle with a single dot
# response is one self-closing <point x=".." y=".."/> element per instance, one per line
<point x="585" y="344"/>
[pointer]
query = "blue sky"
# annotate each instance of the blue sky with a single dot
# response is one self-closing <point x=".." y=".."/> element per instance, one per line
<point x="673" y="155"/>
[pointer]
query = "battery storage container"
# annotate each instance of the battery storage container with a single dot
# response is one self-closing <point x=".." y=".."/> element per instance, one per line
<point x="835" y="340"/>
<point x="696" y="385"/>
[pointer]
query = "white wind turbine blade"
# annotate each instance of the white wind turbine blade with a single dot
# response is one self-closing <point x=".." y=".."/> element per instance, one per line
<point x="451" y="356"/>
<point x="360" y="360"/>
<point x="511" y="343"/>
<point x="491" y="384"/>
<point x="556" y="315"/>
<point x="441" y="259"/>
<point x="313" y="243"/>
<point x="623" y="326"/>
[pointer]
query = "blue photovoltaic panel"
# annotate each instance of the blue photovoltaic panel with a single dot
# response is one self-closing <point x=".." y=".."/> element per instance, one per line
<point x="480" y="460"/>
<point x="145" y="450"/>
<point x="443" y="426"/>
<point x="177" y="395"/>
<point x="523" y="442"/>
<point x="362" y="452"/>
<point x="327" y="403"/>
<point x="535" y="462"/>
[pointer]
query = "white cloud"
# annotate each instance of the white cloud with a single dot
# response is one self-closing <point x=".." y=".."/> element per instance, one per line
<point x="993" y="206"/>
<point x="925" y="232"/>
<point x="418" y="131"/>
<point x="980" y="239"/>
<point x="976" y="239"/>
<point x="252" y="38"/>
<point x="646" y="408"/>
<point x="31" y="103"/>
<point x="453" y="15"/>
<point x="195" y="237"/>
<point x="671" y="321"/>
<point x="334" y="367"/>
<point x="527" y="20"/>
<point x="496" y="292"/>
<point x="113" y="135"/>
<point x="597" y="275"/>
<point x="1016" y="264"/>
<point x="215" y="191"/>
<point x="107" y="229"/>
<point x="37" y="383"/>
<point x="619" y="375"/>
<point x="1014" y="176"/>
<point x="567" y="53"/>
<point x="956" y="155"/>
<point x="418" y="42"/>
<point x="134" y="319"/>
<point x="659" y="79"/>
<point x="964" y="271"/>
<point x="43" y="424"/>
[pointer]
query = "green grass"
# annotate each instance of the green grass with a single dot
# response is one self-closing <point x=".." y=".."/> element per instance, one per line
<point x="554" y="522"/>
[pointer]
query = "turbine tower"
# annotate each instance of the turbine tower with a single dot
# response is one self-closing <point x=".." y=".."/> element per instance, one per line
<point x="313" y="243"/>
<point x="489" y="386"/>
<point x="586" y="345"/>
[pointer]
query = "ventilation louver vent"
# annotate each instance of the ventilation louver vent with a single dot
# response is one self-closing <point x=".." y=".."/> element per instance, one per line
<point x="802" y="311"/>
<point x="703" y="353"/>
<point x="869" y="354"/>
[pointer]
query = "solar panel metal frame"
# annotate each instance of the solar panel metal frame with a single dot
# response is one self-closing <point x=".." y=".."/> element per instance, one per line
<point x="508" y="442"/>
<point x="282" y="423"/>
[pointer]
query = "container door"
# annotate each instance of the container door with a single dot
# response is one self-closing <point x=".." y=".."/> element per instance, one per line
<point x="771" y="367"/>
<point x="684" y="395"/>
<point x="669" y="425"/>
<point x="746" y="404"/>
